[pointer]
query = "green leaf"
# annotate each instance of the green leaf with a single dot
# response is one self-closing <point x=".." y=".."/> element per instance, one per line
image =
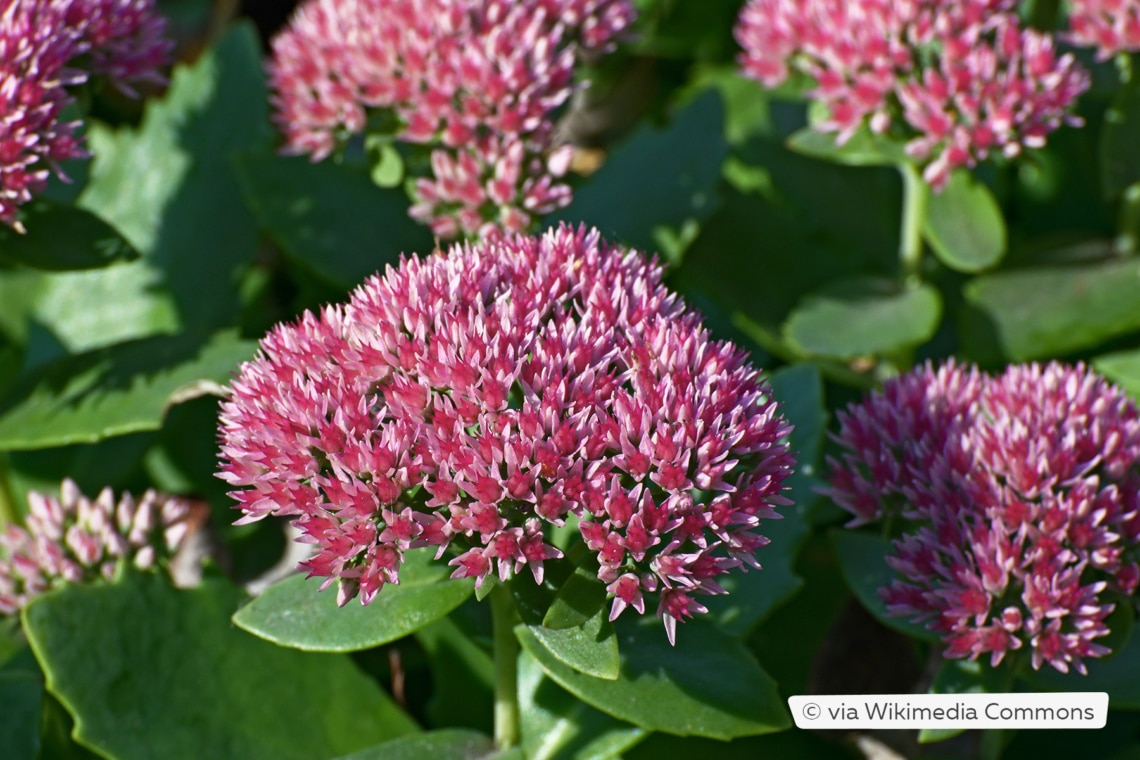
<point x="170" y="187"/>
<point x="964" y="224"/>
<point x="965" y="677"/>
<point x="863" y="560"/>
<point x="557" y="726"/>
<point x="708" y="685"/>
<point x="1122" y="368"/>
<point x="388" y="167"/>
<point x="657" y="179"/>
<point x="1047" y="311"/>
<point x="449" y="743"/>
<point x="21" y="701"/>
<point x="151" y="671"/>
<point x="293" y="613"/>
<point x="121" y="389"/>
<point x="331" y="217"/>
<point x="863" y="316"/>
<point x="462" y="675"/>
<point x="591" y="648"/>
<point x="580" y="597"/>
<point x="1120" y="140"/>
<point x="863" y="149"/>
<point x="62" y="238"/>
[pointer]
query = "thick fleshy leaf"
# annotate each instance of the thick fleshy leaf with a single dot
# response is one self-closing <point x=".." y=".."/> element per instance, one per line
<point x="1122" y="368"/>
<point x="708" y="685"/>
<point x="1043" y="312"/>
<point x="965" y="677"/>
<point x="863" y="149"/>
<point x="111" y="391"/>
<point x="170" y="187"/>
<point x="591" y="648"/>
<point x="657" y="180"/>
<point x="151" y="671"/>
<point x="557" y="726"/>
<point x="1120" y="140"/>
<point x="331" y="217"/>
<point x="863" y="560"/>
<point x="462" y="675"/>
<point x="964" y="224"/>
<point x="62" y="238"/>
<point x="450" y="743"/>
<point x="863" y="316"/>
<point x="21" y="700"/>
<point x="293" y="613"/>
<point x="579" y="599"/>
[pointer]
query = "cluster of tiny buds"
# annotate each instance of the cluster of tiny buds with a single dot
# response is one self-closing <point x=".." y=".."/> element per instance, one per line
<point x="958" y="81"/>
<point x="1019" y="501"/>
<point x="474" y="400"/>
<point x="476" y="81"/>
<point x="74" y="539"/>
<point x="40" y="44"/>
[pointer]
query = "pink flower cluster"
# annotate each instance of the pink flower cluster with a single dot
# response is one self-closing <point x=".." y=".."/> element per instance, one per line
<point x="74" y="539"/>
<point x="468" y="401"/>
<point x="964" y="79"/>
<point x="1020" y="500"/>
<point x="39" y="39"/>
<point x="477" y="80"/>
<point x="1111" y="26"/>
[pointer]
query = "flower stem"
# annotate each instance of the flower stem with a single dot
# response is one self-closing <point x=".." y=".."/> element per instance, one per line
<point x="915" y="196"/>
<point x="1128" y="237"/>
<point x="503" y="617"/>
<point x="8" y="513"/>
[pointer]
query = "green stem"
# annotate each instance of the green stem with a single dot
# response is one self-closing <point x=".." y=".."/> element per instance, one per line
<point x="1043" y="16"/>
<point x="1128" y="236"/>
<point x="915" y="197"/>
<point x="8" y="513"/>
<point x="503" y="617"/>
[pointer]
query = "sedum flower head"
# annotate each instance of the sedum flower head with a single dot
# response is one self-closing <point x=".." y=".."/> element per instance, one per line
<point x="1019" y="494"/>
<point x="40" y="43"/>
<point x="1111" y="26"/>
<point x="477" y="80"/>
<point x="75" y="539"/>
<point x="472" y="400"/>
<point x="958" y="80"/>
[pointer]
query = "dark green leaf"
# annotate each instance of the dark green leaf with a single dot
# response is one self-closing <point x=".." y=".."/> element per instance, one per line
<point x="591" y="648"/>
<point x="331" y="217"/>
<point x="462" y="675"/>
<point x="1043" y="312"/>
<point x="579" y="598"/>
<point x="449" y="743"/>
<point x="864" y="316"/>
<point x="964" y="224"/>
<point x="61" y="238"/>
<point x="799" y="389"/>
<point x="21" y="700"/>
<point x="708" y="685"/>
<point x="557" y="726"/>
<point x="293" y="613"/>
<point x="863" y="560"/>
<point x="965" y="677"/>
<point x="657" y="179"/>
<point x="121" y="389"/>
<point x="1115" y="675"/>
<point x="863" y="149"/>
<point x="150" y="671"/>
<point x="1120" y="140"/>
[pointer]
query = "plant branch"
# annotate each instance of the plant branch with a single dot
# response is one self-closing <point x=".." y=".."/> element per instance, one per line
<point x="915" y="197"/>
<point x="504" y="616"/>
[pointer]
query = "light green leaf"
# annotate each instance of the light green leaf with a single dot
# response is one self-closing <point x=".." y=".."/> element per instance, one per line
<point x="708" y="685"/>
<point x="331" y="217"/>
<point x="293" y="613"/>
<point x="150" y="671"/>
<point x="863" y="149"/>
<point x="964" y="224"/>
<point x="657" y="179"/>
<point x="863" y="316"/>
<point x="591" y="648"/>
<point x="62" y="238"/>
<point x="1047" y="311"/>
<point x="579" y="599"/>
<point x="447" y="743"/>
<point x="1122" y="368"/>
<point x="558" y="726"/>
<point x="863" y="561"/>
<point x="121" y="389"/>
